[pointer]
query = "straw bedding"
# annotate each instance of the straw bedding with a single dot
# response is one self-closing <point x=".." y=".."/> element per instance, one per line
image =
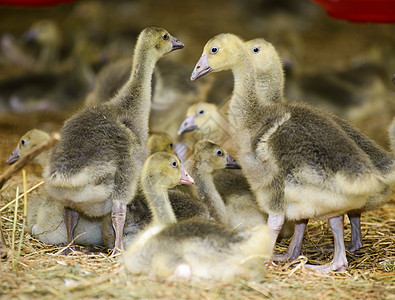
<point x="33" y="269"/>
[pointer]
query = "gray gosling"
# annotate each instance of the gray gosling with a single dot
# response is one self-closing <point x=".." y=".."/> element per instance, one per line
<point x="26" y="143"/>
<point x="191" y="249"/>
<point x="227" y="195"/>
<point x="207" y="158"/>
<point x="224" y="190"/>
<point x="45" y="219"/>
<point x="299" y="163"/>
<point x="48" y="35"/>
<point x="95" y="168"/>
<point x="269" y="70"/>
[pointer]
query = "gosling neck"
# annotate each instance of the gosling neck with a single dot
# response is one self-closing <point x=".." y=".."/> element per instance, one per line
<point x="48" y="58"/>
<point x="270" y="84"/>
<point x="244" y="77"/>
<point x="207" y="192"/>
<point x="42" y="159"/>
<point x="245" y="102"/>
<point x="159" y="204"/>
<point x="134" y="98"/>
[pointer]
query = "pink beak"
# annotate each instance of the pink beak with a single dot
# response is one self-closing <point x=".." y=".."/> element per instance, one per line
<point x="187" y="125"/>
<point x="185" y="177"/>
<point x="202" y="68"/>
<point x="14" y="156"/>
<point x="175" y="43"/>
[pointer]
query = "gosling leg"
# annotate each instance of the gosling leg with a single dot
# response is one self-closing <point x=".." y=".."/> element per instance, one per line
<point x="118" y="216"/>
<point x="275" y="223"/>
<point x="295" y="247"/>
<point x="3" y="249"/>
<point x="70" y="220"/>
<point x="356" y="234"/>
<point x="339" y="262"/>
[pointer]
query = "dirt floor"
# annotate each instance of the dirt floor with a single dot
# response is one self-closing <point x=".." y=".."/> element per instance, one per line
<point x="33" y="269"/>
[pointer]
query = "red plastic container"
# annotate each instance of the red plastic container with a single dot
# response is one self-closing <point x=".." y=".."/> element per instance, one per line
<point x="380" y="11"/>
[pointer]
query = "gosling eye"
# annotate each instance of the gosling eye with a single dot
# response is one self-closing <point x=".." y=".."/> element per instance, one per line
<point x="219" y="153"/>
<point x="256" y="50"/>
<point x="171" y="145"/>
<point x="165" y="36"/>
<point x="174" y="164"/>
<point x="200" y="112"/>
<point x="23" y="142"/>
<point x="214" y="50"/>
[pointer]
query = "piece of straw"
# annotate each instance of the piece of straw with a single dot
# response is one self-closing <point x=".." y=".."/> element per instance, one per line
<point x="14" y="226"/>
<point x="24" y="213"/>
<point x="3" y="249"/>
<point x="22" y="195"/>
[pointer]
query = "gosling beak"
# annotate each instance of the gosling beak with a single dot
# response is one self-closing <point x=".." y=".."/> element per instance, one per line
<point x="30" y="35"/>
<point x="187" y="125"/>
<point x="185" y="177"/>
<point x="176" y="44"/>
<point x="202" y="68"/>
<point x="231" y="162"/>
<point x="14" y="156"/>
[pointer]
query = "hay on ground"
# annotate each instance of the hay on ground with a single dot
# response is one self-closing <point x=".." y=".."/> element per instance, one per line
<point x="37" y="270"/>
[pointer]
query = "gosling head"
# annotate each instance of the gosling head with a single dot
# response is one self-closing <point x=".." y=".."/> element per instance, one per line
<point x="262" y="53"/>
<point x="220" y="53"/>
<point x="45" y="32"/>
<point x="163" y="170"/>
<point x="160" y="141"/>
<point x="209" y="156"/>
<point x="27" y="142"/>
<point x="159" y="40"/>
<point x="197" y="115"/>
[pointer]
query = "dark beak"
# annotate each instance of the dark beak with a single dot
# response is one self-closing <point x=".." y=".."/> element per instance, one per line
<point x="187" y="125"/>
<point x="202" y="68"/>
<point x="30" y="35"/>
<point x="14" y="156"/>
<point x="231" y="163"/>
<point x="176" y="44"/>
